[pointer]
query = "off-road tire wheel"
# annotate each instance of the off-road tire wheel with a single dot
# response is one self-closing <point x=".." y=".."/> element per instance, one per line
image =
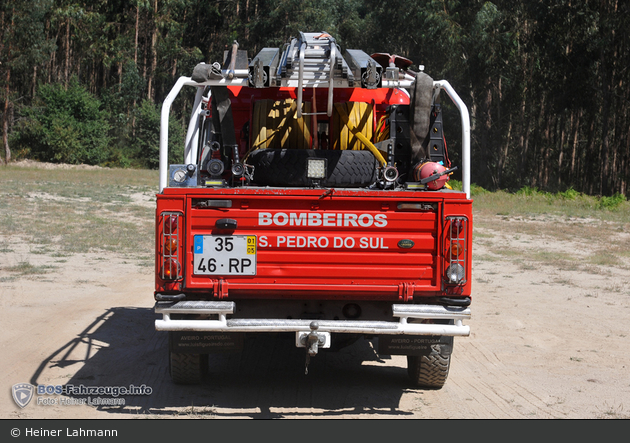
<point x="430" y="371"/>
<point x="288" y="167"/>
<point x="187" y="369"/>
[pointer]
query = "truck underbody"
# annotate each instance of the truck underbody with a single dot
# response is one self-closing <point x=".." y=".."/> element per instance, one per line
<point x="312" y="201"/>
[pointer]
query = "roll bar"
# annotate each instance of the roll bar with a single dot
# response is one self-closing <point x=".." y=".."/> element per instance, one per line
<point x="193" y="126"/>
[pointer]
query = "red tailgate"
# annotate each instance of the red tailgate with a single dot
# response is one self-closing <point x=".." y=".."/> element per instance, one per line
<point x="311" y="243"/>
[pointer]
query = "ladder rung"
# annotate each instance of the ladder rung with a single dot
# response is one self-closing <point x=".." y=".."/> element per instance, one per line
<point x="311" y="61"/>
<point x="309" y="53"/>
<point x="314" y="113"/>
<point x="308" y="83"/>
<point x="308" y="76"/>
<point x="322" y="68"/>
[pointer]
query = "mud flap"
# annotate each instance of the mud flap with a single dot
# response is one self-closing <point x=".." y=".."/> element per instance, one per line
<point x="205" y="342"/>
<point x="414" y="344"/>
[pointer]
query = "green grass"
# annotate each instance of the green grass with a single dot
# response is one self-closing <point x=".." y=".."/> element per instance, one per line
<point x="531" y="202"/>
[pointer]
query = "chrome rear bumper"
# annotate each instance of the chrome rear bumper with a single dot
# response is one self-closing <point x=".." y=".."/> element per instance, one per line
<point x="401" y="311"/>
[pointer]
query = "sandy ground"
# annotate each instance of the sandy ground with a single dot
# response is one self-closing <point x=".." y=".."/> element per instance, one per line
<point x="544" y="344"/>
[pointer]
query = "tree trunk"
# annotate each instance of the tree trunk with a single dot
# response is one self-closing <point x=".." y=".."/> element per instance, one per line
<point x="539" y="109"/>
<point x="120" y="76"/>
<point x="546" y="148"/>
<point x="5" y="120"/>
<point x="135" y="46"/>
<point x="154" y="36"/>
<point x="503" y="160"/>
<point x="486" y="148"/>
<point x="562" y="130"/>
<point x="34" y="83"/>
<point x="588" y="170"/>
<point x="605" y="113"/>
<point x="575" y="124"/>
<point x="67" y="43"/>
<point x="625" y="168"/>
<point x="247" y="20"/>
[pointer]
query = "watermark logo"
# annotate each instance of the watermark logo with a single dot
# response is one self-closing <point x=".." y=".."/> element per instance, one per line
<point x="22" y="393"/>
<point x="65" y="395"/>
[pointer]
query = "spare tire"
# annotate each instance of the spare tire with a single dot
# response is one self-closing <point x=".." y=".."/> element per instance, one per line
<point x="287" y="167"/>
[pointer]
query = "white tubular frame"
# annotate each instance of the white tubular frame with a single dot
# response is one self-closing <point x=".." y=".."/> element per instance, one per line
<point x="192" y="132"/>
<point x="463" y="112"/>
<point x="192" y="135"/>
<point x="400" y="327"/>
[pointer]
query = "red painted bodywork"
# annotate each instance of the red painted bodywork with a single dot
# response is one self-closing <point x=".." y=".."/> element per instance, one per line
<point x="371" y="266"/>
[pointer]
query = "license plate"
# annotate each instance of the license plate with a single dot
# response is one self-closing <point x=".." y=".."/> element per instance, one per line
<point x="225" y="255"/>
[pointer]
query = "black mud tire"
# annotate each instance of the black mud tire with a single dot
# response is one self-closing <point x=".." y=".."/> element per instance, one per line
<point x="187" y="369"/>
<point x="430" y="371"/>
<point x="287" y="167"/>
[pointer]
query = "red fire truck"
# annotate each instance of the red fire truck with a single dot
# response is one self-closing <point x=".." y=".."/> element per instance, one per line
<point x="313" y="200"/>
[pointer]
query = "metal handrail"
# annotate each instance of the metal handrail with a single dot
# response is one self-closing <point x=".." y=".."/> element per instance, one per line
<point x="300" y="80"/>
<point x="463" y="112"/>
<point x="187" y="81"/>
<point x="331" y="75"/>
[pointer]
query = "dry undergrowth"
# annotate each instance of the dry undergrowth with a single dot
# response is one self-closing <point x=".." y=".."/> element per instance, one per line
<point x="60" y="210"/>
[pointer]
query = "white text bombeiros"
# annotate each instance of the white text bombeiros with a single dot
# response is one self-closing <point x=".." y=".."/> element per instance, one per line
<point x="330" y="219"/>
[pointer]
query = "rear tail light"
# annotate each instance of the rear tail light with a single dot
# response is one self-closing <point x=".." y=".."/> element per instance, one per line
<point x="170" y="246"/>
<point x="457" y="226"/>
<point x="171" y="269"/>
<point x="456" y="249"/>
<point x="170" y="241"/>
<point x="455" y="253"/>
<point x="170" y="223"/>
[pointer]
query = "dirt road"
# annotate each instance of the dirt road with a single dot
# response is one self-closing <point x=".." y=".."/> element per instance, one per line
<point x="545" y="343"/>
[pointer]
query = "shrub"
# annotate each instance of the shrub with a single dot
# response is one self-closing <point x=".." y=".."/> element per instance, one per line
<point x="477" y="190"/>
<point x="64" y="126"/>
<point x="455" y="184"/>
<point x="569" y="194"/>
<point x="146" y="140"/>
<point x="474" y="188"/>
<point x="527" y="191"/>
<point x="611" y="203"/>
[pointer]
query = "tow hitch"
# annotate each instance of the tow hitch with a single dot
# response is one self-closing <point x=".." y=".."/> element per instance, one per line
<point x="312" y="341"/>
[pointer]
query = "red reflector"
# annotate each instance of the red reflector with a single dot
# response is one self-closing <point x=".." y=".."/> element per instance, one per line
<point x="456" y="227"/>
<point x="170" y="224"/>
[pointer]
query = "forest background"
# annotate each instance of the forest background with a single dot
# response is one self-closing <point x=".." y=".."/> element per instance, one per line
<point x="546" y="81"/>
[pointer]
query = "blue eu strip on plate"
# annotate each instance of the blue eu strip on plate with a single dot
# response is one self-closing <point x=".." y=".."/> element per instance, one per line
<point x="198" y="244"/>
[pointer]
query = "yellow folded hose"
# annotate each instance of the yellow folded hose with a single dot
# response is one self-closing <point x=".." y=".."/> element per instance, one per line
<point x="382" y="129"/>
<point x="275" y="126"/>
<point x="354" y="127"/>
<point x="360" y="116"/>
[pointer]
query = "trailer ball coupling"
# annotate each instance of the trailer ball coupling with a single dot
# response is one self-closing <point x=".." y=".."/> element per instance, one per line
<point x="312" y="342"/>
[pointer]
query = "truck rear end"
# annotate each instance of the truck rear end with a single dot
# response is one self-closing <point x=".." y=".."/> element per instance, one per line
<point x="319" y="224"/>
